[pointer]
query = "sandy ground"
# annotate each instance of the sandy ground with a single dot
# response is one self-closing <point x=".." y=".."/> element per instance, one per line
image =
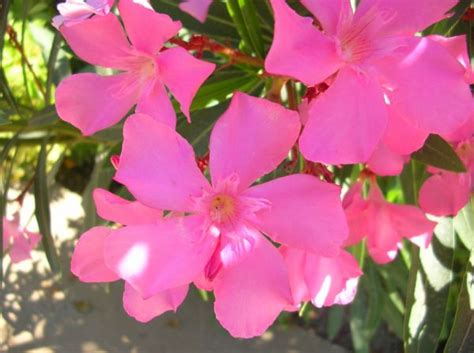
<point x="43" y="315"/>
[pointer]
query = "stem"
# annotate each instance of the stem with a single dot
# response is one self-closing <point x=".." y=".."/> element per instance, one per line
<point x="292" y="96"/>
<point x="202" y="43"/>
<point x="13" y="38"/>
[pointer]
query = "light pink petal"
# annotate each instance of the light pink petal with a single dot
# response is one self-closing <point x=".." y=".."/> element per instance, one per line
<point x="251" y="294"/>
<point x="183" y="74"/>
<point x="92" y="103"/>
<point x="328" y="12"/>
<point x="436" y="106"/>
<point x="345" y="133"/>
<point x="457" y="46"/>
<point x="412" y="223"/>
<point x="153" y="258"/>
<point x="113" y="208"/>
<point x="20" y="249"/>
<point x="295" y="260"/>
<point x="155" y="102"/>
<point x="33" y="238"/>
<point x="251" y="138"/>
<point x="410" y="16"/>
<point x="158" y="166"/>
<point x="99" y="41"/>
<point x="385" y="162"/>
<point x="300" y="50"/>
<point x="445" y="194"/>
<point x="401" y="136"/>
<point x="357" y="212"/>
<point x="196" y="8"/>
<point x="87" y="261"/>
<point x="331" y="280"/>
<point x="148" y="30"/>
<point x="145" y="310"/>
<point x="318" y="223"/>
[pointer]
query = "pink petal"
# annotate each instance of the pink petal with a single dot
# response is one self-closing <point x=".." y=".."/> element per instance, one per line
<point x="445" y="194"/>
<point x="148" y="30"/>
<point x="356" y="209"/>
<point x="113" y="208"/>
<point x="329" y="280"/>
<point x="318" y="223"/>
<point x="385" y="162"/>
<point x="99" y="41"/>
<point x="457" y="46"/>
<point x="145" y="310"/>
<point x="251" y="294"/>
<point x="196" y="8"/>
<point x="401" y="136"/>
<point x="87" y="261"/>
<point x="463" y="133"/>
<point x="328" y="12"/>
<point x="20" y="249"/>
<point x="251" y="138"/>
<point x="295" y="261"/>
<point x="410" y="16"/>
<point x="183" y="74"/>
<point x="153" y="258"/>
<point x="158" y="166"/>
<point x="389" y="223"/>
<point x="91" y="102"/>
<point x="345" y="133"/>
<point x="33" y="238"/>
<point x="436" y="106"/>
<point x="155" y="102"/>
<point x="297" y="47"/>
<point x="412" y="223"/>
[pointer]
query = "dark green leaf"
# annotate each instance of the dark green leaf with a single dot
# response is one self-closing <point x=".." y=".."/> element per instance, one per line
<point x="411" y="180"/>
<point x="335" y="321"/>
<point x="44" y="117"/>
<point x="243" y="13"/>
<point x="461" y="339"/>
<point x="4" y="6"/>
<point x="439" y="153"/>
<point x="53" y="57"/>
<point x="428" y="291"/>
<point x="42" y="211"/>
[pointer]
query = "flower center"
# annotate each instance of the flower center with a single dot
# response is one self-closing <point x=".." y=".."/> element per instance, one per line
<point x="222" y="208"/>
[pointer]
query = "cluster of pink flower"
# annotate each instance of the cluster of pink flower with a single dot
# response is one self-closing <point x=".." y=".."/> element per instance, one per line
<point x="387" y="91"/>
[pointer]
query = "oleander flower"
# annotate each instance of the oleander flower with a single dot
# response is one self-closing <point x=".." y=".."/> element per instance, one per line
<point x="325" y="281"/>
<point x="76" y="11"/>
<point x="384" y="224"/>
<point x="216" y="236"/>
<point x="196" y="8"/>
<point x="93" y="102"/>
<point x="17" y="241"/>
<point x="377" y="71"/>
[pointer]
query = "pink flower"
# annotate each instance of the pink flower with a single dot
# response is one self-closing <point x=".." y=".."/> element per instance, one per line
<point x="324" y="281"/>
<point x="217" y="242"/>
<point x="379" y="66"/>
<point x="92" y="102"/>
<point x="17" y="241"/>
<point x="446" y="193"/>
<point x="384" y="224"/>
<point x="196" y="8"/>
<point x="88" y="261"/>
<point x="75" y="11"/>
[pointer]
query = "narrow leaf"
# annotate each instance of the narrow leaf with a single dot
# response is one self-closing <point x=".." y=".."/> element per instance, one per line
<point x="42" y="210"/>
<point x="439" y="153"/>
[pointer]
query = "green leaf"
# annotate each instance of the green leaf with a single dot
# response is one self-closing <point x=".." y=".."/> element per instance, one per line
<point x="439" y="153"/>
<point x="219" y="89"/>
<point x="101" y="177"/>
<point x="244" y="15"/>
<point x="52" y="59"/>
<point x="4" y="6"/>
<point x="411" y="180"/>
<point x="461" y="339"/>
<point x="428" y="291"/>
<point x="45" y="117"/>
<point x="335" y="321"/>
<point x="464" y="225"/>
<point x="42" y="210"/>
